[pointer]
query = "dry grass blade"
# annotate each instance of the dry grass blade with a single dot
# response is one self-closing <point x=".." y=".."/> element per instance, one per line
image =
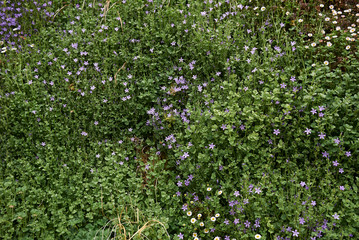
<point x="147" y="226"/>
<point x="106" y="8"/>
<point x="57" y="11"/>
<point x="120" y="20"/>
<point x="119" y="71"/>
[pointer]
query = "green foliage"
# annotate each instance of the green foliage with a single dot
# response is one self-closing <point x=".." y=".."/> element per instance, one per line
<point x="170" y="119"/>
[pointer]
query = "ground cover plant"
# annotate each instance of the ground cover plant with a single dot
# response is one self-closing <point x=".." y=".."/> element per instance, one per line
<point x="174" y="119"/>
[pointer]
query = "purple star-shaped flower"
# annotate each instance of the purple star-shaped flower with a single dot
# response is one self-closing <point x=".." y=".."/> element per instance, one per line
<point x="283" y="85"/>
<point x="335" y="163"/>
<point x="308" y="131"/>
<point x="301" y="221"/>
<point x="342" y="188"/>
<point x="337" y="141"/>
<point x="184" y="207"/>
<point x="313" y="111"/>
<point x="276" y="131"/>
<point x="295" y="233"/>
<point x="348" y="154"/>
<point x="336" y="216"/>
<point x="325" y="154"/>
<point x="180" y="236"/>
<point x="321" y="135"/>
<point x="211" y="146"/>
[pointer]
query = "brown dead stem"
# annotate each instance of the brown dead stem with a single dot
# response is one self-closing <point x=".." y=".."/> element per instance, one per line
<point x="119" y="71"/>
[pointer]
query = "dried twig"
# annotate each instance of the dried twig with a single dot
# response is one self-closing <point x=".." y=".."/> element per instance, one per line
<point x="57" y="11"/>
<point x="119" y="71"/>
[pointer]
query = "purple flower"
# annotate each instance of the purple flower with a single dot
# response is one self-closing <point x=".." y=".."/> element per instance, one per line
<point x="308" y="131"/>
<point x="302" y="184"/>
<point x="342" y="188"/>
<point x="301" y="220"/>
<point x="295" y="233"/>
<point x="180" y="236"/>
<point x="283" y="85"/>
<point x="236" y="221"/>
<point x="348" y="154"/>
<point x="184" y="207"/>
<point x="341" y="170"/>
<point x="337" y="141"/>
<point x="335" y="163"/>
<point x="84" y="133"/>
<point x="224" y="126"/>
<point x="313" y="111"/>
<point x="258" y="190"/>
<point x="247" y="223"/>
<point x="325" y="154"/>
<point x="336" y="216"/>
<point x="236" y="193"/>
<point x="314" y="203"/>
<point x="321" y="135"/>
<point x="276" y="131"/>
<point x="43" y="144"/>
<point x="211" y="146"/>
